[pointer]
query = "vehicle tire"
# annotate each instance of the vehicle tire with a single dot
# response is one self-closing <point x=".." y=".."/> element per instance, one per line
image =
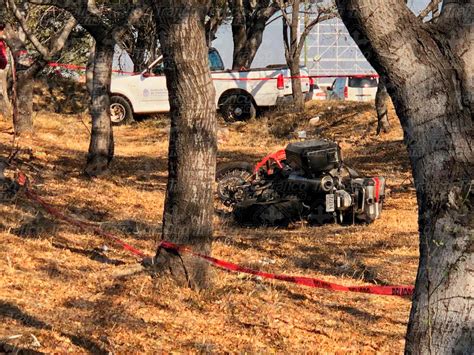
<point x="237" y="107"/>
<point x="120" y="111"/>
<point x="224" y="168"/>
<point x="229" y="176"/>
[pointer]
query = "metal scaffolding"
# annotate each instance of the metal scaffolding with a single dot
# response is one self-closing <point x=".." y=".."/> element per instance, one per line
<point x="330" y="50"/>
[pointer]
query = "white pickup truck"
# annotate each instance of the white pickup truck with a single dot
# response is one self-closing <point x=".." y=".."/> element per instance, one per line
<point x="238" y="93"/>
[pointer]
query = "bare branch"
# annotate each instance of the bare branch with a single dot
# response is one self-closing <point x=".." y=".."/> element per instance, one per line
<point x="267" y="11"/>
<point x="57" y="44"/>
<point x="283" y="6"/>
<point x="33" y="39"/>
<point x="92" y="8"/>
<point x="320" y="18"/>
<point x="431" y="7"/>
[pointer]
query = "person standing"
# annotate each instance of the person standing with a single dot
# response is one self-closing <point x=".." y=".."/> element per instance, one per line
<point x="5" y="107"/>
<point x="3" y="49"/>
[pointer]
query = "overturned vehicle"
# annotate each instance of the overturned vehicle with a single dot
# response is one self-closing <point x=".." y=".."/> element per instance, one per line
<point x="306" y="181"/>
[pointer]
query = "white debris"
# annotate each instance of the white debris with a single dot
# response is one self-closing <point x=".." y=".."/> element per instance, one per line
<point x="35" y="342"/>
<point x="302" y="134"/>
<point x="314" y="121"/>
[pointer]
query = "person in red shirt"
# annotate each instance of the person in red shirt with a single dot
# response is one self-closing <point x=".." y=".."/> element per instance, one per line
<point x="3" y="50"/>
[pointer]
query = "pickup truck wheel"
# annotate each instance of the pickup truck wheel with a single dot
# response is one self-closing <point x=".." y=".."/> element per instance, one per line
<point x="120" y="111"/>
<point x="237" y="107"/>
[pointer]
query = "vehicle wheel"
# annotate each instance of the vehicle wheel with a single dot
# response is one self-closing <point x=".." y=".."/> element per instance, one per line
<point x="237" y="107"/>
<point x="120" y="111"/>
<point x="229" y="178"/>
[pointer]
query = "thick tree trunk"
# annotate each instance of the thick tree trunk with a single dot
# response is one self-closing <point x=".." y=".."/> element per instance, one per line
<point x="383" y="125"/>
<point x="101" y="148"/>
<point x="247" y="32"/>
<point x="246" y="45"/>
<point x="243" y="58"/>
<point x="243" y="54"/>
<point x="189" y="209"/>
<point x="429" y="72"/>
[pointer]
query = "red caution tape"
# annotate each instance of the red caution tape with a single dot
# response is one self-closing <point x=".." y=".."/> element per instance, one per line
<point x="299" y="280"/>
<point x="22" y="180"/>
<point x="402" y="291"/>
<point x="82" y="68"/>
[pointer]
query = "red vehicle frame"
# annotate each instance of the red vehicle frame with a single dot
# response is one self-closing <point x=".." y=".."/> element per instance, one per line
<point x="266" y="162"/>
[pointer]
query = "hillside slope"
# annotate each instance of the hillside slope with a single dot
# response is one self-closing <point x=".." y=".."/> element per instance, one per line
<point x="58" y="286"/>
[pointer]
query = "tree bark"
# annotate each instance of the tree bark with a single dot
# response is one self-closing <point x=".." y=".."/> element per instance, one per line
<point x="101" y="148"/>
<point x="383" y="125"/>
<point x="24" y="73"/>
<point x="246" y="45"/>
<point x="292" y="53"/>
<point x="429" y="67"/>
<point x="25" y="68"/>
<point x="90" y="70"/>
<point x="297" y="92"/>
<point x="248" y="26"/>
<point x="189" y="209"/>
<point x="294" y="62"/>
<point x="144" y="48"/>
<point x="23" y="119"/>
<point x="5" y="107"/>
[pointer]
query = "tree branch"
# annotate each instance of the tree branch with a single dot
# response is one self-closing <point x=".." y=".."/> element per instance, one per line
<point x="75" y="7"/>
<point x="33" y="39"/>
<point x="266" y="11"/>
<point x="283" y="12"/>
<point x="286" y="41"/>
<point x="431" y="7"/>
<point x="56" y="44"/>
<point x="320" y="18"/>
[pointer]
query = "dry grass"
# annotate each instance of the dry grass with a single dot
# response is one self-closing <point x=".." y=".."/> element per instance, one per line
<point x="57" y="283"/>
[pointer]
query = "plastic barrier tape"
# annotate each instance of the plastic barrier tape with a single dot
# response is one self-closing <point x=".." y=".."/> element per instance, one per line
<point x="402" y="291"/>
<point x="299" y="280"/>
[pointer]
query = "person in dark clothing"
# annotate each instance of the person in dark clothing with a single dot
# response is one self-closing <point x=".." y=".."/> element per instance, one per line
<point x="3" y="50"/>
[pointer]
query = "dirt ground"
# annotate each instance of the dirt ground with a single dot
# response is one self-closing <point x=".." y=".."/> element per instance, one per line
<point x="59" y="290"/>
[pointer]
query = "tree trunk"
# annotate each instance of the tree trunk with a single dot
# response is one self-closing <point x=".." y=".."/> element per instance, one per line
<point x="429" y="67"/>
<point x="246" y="46"/>
<point x="5" y="107"/>
<point x="247" y="31"/>
<point x="90" y="70"/>
<point x="298" y="98"/>
<point x="293" y="55"/>
<point x="383" y="125"/>
<point x="23" y="119"/>
<point x="239" y="36"/>
<point x="101" y="148"/>
<point x="189" y="209"/>
<point x="23" y="81"/>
